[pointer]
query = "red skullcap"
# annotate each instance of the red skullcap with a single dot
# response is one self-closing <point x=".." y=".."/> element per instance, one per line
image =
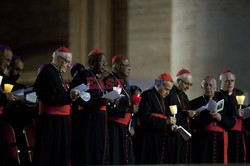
<point x="62" y="51"/>
<point x="183" y="71"/>
<point x="116" y="58"/>
<point x="165" y="77"/>
<point x="95" y="52"/>
<point x="227" y="71"/>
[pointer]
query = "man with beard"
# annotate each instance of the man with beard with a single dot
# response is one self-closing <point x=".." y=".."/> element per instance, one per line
<point x="5" y="98"/>
<point x="21" y="112"/>
<point x="89" y="116"/>
<point x="5" y="59"/>
<point x="210" y="135"/>
<point x="155" y="121"/>
<point x="119" y="113"/>
<point x="53" y="124"/>
<point x="236" y="145"/>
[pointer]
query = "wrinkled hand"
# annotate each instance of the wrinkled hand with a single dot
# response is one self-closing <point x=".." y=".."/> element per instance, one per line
<point x="132" y="131"/>
<point x="216" y="115"/>
<point x="116" y="102"/>
<point x="191" y="113"/>
<point x="105" y="101"/>
<point x="135" y="108"/>
<point x="241" y="112"/>
<point x="11" y="97"/>
<point x="171" y="120"/>
<point x="74" y="94"/>
<point x="174" y="128"/>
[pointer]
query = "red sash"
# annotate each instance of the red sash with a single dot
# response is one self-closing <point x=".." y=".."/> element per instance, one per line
<point x="214" y="127"/>
<point x="1" y="110"/>
<point x="238" y="125"/>
<point x="124" y="120"/>
<point x="54" y="110"/>
<point x="158" y="115"/>
<point x="102" y="108"/>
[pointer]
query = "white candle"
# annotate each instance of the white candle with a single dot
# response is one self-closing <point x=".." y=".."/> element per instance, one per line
<point x="8" y="88"/>
<point x="240" y="99"/>
<point x="173" y="109"/>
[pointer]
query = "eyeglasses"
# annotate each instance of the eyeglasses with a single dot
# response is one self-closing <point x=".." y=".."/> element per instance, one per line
<point x="126" y="65"/>
<point x="186" y="83"/>
<point x="65" y="60"/>
<point x="6" y="59"/>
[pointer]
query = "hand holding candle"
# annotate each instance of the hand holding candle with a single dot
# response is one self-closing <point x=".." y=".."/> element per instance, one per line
<point x="136" y="99"/>
<point x="173" y="109"/>
<point x="8" y="88"/>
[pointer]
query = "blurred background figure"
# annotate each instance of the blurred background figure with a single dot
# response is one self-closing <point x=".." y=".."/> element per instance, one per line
<point x="75" y="68"/>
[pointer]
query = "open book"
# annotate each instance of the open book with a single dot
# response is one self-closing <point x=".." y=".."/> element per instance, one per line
<point x="113" y="95"/>
<point x="184" y="133"/>
<point x="212" y="106"/>
<point x="246" y="113"/>
<point x="26" y="94"/>
<point x="82" y="88"/>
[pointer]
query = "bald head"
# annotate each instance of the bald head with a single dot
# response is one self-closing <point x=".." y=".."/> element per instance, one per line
<point x="209" y="86"/>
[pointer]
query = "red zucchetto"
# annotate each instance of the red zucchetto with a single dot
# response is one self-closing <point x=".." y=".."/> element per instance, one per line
<point x="182" y="71"/>
<point x="62" y="51"/>
<point x="95" y="52"/>
<point x="165" y="77"/>
<point x="227" y="71"/>
<point x="116" y="58"/>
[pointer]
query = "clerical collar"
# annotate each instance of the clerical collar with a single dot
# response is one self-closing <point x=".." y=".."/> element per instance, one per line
<point x="177" y="90"/>
<point x="207" y="97"/>
<point x="55" y="66"/>
<point x="225" y="92"/>
<point x="94" y="74"/>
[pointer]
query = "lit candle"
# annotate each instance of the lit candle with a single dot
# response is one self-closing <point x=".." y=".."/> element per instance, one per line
<point x="8" y="88"/>
<point x="240" y="99"/>
<point x="173" y="109"/>
<point x="136" y="99"/>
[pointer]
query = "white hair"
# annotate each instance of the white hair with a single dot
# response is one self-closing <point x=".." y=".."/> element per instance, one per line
<point x="182" y="77"/>
<point x="223" y="75"/>
<point x="61" y="54"/>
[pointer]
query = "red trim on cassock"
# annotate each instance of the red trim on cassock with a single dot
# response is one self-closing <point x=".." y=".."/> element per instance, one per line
<point x="158" y="115"/>
<point x="54" y="110"/>
<point x="124" y="120"/>
<point x="1" y="110"/>
<point x="238" y="127"/>
<point x="214" y="127"/>
<point x="102" y="108"/>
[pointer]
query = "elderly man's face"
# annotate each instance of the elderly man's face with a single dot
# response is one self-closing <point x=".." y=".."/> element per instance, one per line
<point x="228" y="82"/>
<point x="100" y="66"/>
<point x="164" y="88"/>
<point x="5" y="59"/>
<point x="209" y="86"/>
<point x="124" y="68"/>
<point x="64" y="63"/>
<point x="184" y="83"/>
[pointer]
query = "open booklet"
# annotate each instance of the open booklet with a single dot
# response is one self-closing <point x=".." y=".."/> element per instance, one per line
<point x="26" y="94"/>
<point x="212" y="106"/>
<point x="113" y="95"/>
<point x="184" y="133"/>
<point x="82" y="88"/>
<point x="246" y="113"/>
